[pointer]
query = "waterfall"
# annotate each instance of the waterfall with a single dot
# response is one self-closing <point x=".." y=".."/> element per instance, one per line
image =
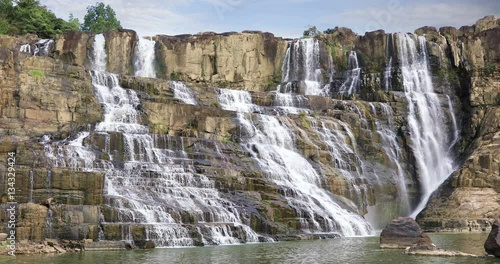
<point x="144" y="58"/>
<point x="183" y="93"/>
<point x="41" y="47"/>
<point x="388" y="76"/>
<point x="152" y="182"/>
<point x="426" y="120"/>
<point x="345" y="158"/>
<point x="290" y="103"/>
<point x="456" y="134"/>
<point x="302" y="64"/>
<point x="239" y="101"/>
<point x="353" y="81"/>
<point x="99" y="58"/>
<point x="175" y="189"/>
<point x="271" y="144"/>
<point x="392" y="150"/>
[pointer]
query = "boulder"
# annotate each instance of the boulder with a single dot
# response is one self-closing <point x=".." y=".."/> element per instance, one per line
<point x="403" y="232"/>
<point x="492" y="243"/>
<point x="3" y="236"/>
<point x="145" y="244"/>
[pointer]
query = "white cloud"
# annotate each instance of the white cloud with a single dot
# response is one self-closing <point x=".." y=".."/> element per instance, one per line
<point x="146" y="17"/>
<point x="394" y="17"/>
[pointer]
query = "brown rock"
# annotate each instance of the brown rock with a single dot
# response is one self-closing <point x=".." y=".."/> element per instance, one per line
<point x="427" y="250"/>
<point x="250" y="60"/>
<point x="492" y="243"/>
<point x="403" y="232"/>
<point x="120" y="46"/>
<point x="72" y="47"/>
<point x="145" y="244"/>
<point x="487" y="22"/>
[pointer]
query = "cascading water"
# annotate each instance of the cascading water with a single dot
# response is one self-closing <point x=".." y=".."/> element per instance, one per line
<point x="456" y="134"/>
<point x="144" y="58"/>
<point x="388" y="76"/>
<point x="183" y="93"/>
<point x="353" y="81"/>
<point x="234" y="100"/>
<point x="426" y="120"/>
<point x="41" y="47"/>
<point x="173" y="191"/>
<point x="345" y="158"/>
<point x="302" y="65"/>
<point x="153" y="183"/>
<point x="271" y="143"/>
<point x="99" y="59"/>
<point x="387" y="134"/>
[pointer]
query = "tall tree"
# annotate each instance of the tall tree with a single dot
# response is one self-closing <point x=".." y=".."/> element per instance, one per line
<point x="73" y="23"/>
<point x="100" y="18"/>
<point x="6" y="7"/>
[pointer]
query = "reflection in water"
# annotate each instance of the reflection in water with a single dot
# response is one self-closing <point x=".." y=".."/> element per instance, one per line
<point x="342" y="250"/>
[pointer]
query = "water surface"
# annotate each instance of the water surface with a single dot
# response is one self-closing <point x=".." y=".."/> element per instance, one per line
<point x="342" y="250"/>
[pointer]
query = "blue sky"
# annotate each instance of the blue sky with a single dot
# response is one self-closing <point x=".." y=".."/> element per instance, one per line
<point x="285" y="18"/>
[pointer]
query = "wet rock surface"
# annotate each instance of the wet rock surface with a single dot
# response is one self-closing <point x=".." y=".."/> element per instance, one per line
<point x="492" y="244"/>
<point x="403" y="232"/>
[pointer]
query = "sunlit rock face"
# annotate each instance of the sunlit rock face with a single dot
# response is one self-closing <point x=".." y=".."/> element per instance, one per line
<point x="232" y="138"/>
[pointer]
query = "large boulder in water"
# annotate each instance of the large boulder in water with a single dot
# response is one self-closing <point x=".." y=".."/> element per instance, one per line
<point x="403" y="232"/>
<point x="492" y="243"/>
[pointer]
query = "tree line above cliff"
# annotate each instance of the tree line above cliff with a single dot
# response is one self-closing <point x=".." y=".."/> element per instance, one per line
<point x="18" y="17"/>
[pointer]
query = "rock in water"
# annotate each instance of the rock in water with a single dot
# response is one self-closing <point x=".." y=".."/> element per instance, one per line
<point x="145" y="244"/>
<point x="403" y="232"/>
<point x="492" y="243"/>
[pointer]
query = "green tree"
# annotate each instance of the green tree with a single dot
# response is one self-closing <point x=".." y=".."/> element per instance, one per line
<point x="100" y="18"/>
<point x="73" y="23"/>
<point x="29" y="16"/>
<point x="330" y="31"/>
<point x="6" y="7"/>
<point x="311" y="31"/>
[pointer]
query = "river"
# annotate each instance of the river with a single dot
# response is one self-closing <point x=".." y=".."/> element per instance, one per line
<point x="342" y="250"/>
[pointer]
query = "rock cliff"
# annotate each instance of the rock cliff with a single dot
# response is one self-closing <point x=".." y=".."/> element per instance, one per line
<point x="358" y="144"/>
<point x="469" y="198"/>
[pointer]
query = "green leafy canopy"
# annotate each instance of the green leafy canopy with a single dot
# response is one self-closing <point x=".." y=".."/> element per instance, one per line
<point x="19" y="17"/>
<point x="100" y="18"/>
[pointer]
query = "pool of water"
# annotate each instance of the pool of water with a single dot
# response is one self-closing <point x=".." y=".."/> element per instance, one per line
<point x="341" y="250"/>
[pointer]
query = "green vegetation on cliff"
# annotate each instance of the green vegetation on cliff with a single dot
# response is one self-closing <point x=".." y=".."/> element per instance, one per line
<point x="19" y="17"/>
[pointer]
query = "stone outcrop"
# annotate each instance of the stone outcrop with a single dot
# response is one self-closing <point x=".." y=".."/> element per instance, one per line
<point x="403" y="232"/>
<point x="248" y="60"/>
<point x="492" y="244"/>
<point x="425" y="250"/>
<point x="469" y="198"/>
<point x="120" y="46"/>
<point x="72" y="48"/>
<point x="41" y="96"/>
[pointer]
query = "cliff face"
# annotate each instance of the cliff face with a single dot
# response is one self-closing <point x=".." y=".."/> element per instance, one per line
<point x="470" y="196"/>
<point x="250" y="60"/>
<point x="42" y="96"/>
<point x="358" y="144"/>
